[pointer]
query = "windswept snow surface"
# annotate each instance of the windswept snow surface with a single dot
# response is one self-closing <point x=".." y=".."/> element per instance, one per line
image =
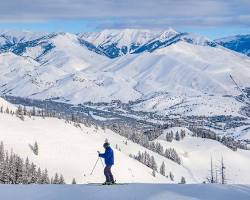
<point x="126" y="192"/>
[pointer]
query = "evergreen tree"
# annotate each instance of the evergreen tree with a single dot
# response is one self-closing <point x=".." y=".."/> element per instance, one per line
<point x="153" y="173"/>
<point x="162" y="169"/>
<point x="223" y="174"/>
<point x="183" y="180"/>
<point x="45" y="177"/>
<point x="33" y="111"/>
<point x="56" y="179"/>
<point x="177" y="136"/>
<point x="35" y="148"/>
<point x="183" y="134"/>
<point x="61" y="180"/>
<point x="171" y="176"/>
<point x="74" y="181"/>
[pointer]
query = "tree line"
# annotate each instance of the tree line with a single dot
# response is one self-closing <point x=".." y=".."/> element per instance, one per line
<point x="15" y="170"/>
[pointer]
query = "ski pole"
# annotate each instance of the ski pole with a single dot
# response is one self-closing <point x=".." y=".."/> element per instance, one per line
<point x="94" y="166"/>
<point x="102" y="163"/>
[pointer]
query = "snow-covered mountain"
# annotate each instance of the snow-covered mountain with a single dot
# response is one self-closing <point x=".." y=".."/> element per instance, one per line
<point x="163" y="62"/>
<point x="79" y="68"/>
<point x="115" y="43"/>
<point x="239" y="43"/>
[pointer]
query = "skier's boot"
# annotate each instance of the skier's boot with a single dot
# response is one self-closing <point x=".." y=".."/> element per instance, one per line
<point x="107" y="183"/>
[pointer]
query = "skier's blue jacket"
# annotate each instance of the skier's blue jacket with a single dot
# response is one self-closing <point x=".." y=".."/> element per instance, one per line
<point x="108" y="156"/>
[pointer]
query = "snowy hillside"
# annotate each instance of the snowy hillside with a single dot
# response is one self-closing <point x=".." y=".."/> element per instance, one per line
<point x="72" y="151"/>
<point x="196" y="154"/>
<point x="181" y="68"/>
<point x="239" y="43"/>
<point x="127" y="192"/>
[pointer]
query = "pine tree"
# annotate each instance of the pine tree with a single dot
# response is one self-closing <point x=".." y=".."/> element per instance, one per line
<point x="74" y="181"/>
<point x="183" y="134"/>
<point x="171" y="176"/>
<point x="35" y="148"/>
<point x="211" y="178"/>
<point x="223" y="175"/>
<point x="153" y="173"/>
<point x="44" y="177"/>
<point x="153" y="163"/>
<point x="33" y="174"/>
<point x="39" y="176"/>
<point x="162" y="169"/>
<point x="24" y="110"/>
<point x="34" y="111"/>
<point x="61" y="179"/>
<point x="177" y="136"/>
<point x="183" y="180"/>
<point x="56" y="179"/>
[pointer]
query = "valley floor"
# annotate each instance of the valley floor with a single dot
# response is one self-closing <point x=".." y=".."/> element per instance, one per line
<point x="126" y="192"/>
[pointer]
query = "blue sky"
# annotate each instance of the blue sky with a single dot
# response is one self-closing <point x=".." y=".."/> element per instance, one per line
<point x="213" y="18"/>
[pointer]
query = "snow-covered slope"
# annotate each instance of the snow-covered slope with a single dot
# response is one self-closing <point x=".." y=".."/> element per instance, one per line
<point x="6" y="104"/>
<point x="239" y="43"/>
<point x="72" y="151"/>
<point x="127" y="192"/>
<point x="69" y="55"/>
<point x="14" y="68"/>
<point x="197" y="152"/>
<point x="43" y="62"/>
<point x="205" y="105"/>
<point x="181" y="68"/>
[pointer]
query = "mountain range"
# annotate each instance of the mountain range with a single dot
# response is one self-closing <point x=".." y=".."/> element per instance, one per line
<point x="125" y="65"/>
<point x="139" y="61"/>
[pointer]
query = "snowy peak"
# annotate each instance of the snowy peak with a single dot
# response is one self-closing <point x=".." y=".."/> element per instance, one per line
<point x="115" y="42"/>
<point x="21" y="36"/>
<point x="123" y="37"/>
<point x="167" y="33"/>
<point x="239" y="43"/>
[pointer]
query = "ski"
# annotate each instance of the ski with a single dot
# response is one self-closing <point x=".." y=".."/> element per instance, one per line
<point x="101" y="184"/>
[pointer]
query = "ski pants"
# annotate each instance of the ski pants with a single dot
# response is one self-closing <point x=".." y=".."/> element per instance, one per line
<point x="108" y="174"/>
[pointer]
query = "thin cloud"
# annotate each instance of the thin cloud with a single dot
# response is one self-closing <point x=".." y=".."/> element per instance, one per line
<point x="130" y="13"/>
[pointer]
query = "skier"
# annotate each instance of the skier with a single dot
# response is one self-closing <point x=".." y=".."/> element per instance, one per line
<point x="108" y="156"/>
